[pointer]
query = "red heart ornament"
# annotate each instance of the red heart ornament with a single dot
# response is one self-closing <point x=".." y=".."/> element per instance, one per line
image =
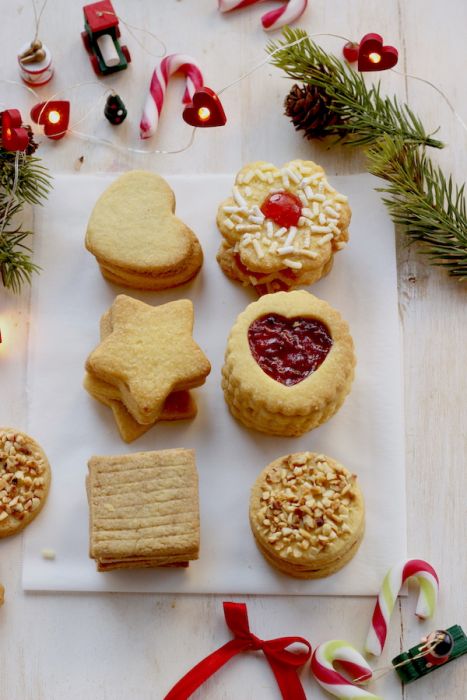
<point x="289" y="349"/>
<point x="14" y="136"/>
<point x="205" y="109"/>
<point x="372" y="55"/>
<point x="54" y="116"/>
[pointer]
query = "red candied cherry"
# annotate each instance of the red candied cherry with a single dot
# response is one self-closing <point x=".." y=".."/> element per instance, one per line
<point x="350" y="51"/>
<point x="284" y="208"/>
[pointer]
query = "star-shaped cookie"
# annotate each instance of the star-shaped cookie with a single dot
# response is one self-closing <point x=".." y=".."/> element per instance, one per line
<point x="149" y="354"/>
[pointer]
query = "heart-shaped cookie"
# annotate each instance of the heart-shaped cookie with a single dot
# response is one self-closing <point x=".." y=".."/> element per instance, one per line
<point x="136" y="237"/>
<point x="289" y="349"/>
<point x="205" y="110"/>
<point x="14" y="136"/>
<point x="54" y="116"/>
<point x="372" y="55"/>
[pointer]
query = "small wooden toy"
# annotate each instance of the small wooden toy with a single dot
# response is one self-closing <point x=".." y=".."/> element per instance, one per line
<point x="434" y="651"/>
<point x="100" y="38"/>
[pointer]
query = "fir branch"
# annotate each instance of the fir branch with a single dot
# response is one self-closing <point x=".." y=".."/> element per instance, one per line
<point x="431" y="208"/>
<point x="364" y="114"/>
<point x="33" y="185"/>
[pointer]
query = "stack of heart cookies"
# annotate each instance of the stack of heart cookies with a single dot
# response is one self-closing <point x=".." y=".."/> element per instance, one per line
<point x="146" y="364"/>
<point x="136" y="237"/>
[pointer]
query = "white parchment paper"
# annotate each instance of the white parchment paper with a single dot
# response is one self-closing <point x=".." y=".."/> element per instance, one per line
<point x="366" y="435"/>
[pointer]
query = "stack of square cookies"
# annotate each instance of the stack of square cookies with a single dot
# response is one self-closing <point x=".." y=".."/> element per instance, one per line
<point x="145" y="364"/>
<point x="144" y="510"/>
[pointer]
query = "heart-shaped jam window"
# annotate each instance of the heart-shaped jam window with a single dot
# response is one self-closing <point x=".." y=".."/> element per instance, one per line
<point x="289" y="349"/>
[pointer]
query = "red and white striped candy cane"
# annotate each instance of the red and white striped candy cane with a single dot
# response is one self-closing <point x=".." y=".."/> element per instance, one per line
<point x="322" y="668"/>
<point x="392" y="583"/>
<point x="275" y="19"/>
<point x="155" y="99"/>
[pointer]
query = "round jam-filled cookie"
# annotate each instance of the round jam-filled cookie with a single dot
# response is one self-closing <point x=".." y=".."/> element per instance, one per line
<point x="307" y="515"/>
<point x="289" y="363"/>
<point x="24" y="480"/>
<point x="281" y="226"/>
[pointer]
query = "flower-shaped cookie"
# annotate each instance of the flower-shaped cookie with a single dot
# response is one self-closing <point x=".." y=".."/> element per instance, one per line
<point x="281" y="227"/>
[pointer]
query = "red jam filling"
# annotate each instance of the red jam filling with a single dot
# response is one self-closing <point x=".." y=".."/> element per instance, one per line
<point x="289" y="349"/>
<point x="284" y="208"/>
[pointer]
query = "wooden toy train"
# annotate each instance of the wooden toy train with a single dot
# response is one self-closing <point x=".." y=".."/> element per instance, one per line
<point x="101" y="38"/>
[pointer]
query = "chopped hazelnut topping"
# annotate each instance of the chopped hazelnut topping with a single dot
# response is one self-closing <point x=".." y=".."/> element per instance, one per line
<point x="21" y="483"/>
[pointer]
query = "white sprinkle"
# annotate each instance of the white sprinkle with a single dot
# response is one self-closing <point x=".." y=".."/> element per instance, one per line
<point x="256" y="235"/>
<point x="276" y="174"/>
<point x="309" y="254"/>
<point x="315" y="208"/>
<point x="233" y="210"/>
<point x="256" y="219"/>
<point x="273" y="247"/>
<point x="269" y="229"/>
<point x="308" y="192"/>
<point x="332" y="212"/>
<point x="285" y="179"/>
<point x="307" y="240"/>
<point x="293" y="175"/>
<point x="238" y="198"/>
<point x="340" y="245"/>
<point x="302" y="221"/>
<point x="320" y="229"/>
<point x="248" y="176"/>
<point x="266" y="242"/>
<point x="322" y="219"/>
<point x="306" y="170"/>
<point x="248" y="191"/>
<point x="48" y="554"/>
<point x="293" y="263"/>
<point x="326" y="239"/>
<point x="236" y="248"/>
<point x="253" y="280"/>
<point x="237" y="218"/>
<point x="258" y="250"/>
<point x="318" y="198"/>
<point x="337" y="207"/>
<point x="327" y="203"/>
<point x="328" y="187"/>
<point x="280" y="232"/>
<point x="261" y="175"/>
<point x="285" y="250"/>
<point x="321" y="187"/>
<point x="270" y="178"/>
<point x="307" y="212"/>
<point x="341" y="198"/>
<point x="246" y="239"/>
<point x="247" y="227"/>
<point x="230" y="224"/>
<point x="303" y="199"/>
<point x="290" y="238"/>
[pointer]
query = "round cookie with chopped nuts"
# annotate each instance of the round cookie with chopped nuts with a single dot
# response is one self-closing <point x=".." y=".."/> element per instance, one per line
<point x="24" y="480"/>
<point x="307" y="515"/>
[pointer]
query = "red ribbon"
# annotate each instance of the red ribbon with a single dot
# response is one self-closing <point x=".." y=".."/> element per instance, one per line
<point x="284" y="664"/>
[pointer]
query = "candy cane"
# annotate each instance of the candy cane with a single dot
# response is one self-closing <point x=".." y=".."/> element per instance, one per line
<point x="392" y="583"/>
<point x="351" y="661"/>
<point x="155" y="100"/>
<point x="275" y="19"/>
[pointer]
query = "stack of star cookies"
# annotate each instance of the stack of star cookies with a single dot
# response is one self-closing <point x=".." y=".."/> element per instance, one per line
<point x="144" y="510"/>
<point x="307" y="515"/>
<point x="146" y="364"/>
<point x="137" y="239"/>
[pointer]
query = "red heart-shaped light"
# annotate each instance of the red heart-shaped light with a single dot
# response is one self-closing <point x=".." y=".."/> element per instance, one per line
<point x="205" y="109"/>
<point x="54" y="116"/>
<point x="14" y="136"/>
<point x="289" y="349"/>
<point x="372" y="55"/>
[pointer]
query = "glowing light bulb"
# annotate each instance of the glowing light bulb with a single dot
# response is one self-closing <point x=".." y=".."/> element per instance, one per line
<point x="54" y="117"/>
<point x="204" y="113"/>
<point x="375" y="57"/>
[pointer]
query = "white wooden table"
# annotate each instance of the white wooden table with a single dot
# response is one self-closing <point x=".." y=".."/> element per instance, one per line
<point x="136" y="646"/>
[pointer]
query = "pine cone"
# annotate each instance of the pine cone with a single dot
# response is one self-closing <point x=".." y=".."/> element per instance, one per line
<point x="309" y="110"/>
